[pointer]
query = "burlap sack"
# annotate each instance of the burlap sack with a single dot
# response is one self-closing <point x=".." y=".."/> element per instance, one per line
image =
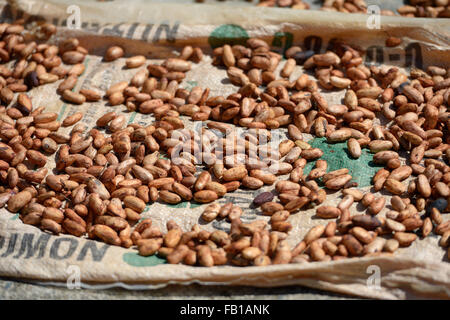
<point x="158" y="30"/>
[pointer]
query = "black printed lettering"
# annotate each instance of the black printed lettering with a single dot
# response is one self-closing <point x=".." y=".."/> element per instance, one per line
<point x="374" y="54"/>
<point x="170" y="32"/>
<point x="27" y="246"/>
<point x="147" y="30"/>
<point x="55" y="248"/>
<point x="11" y="246"/>
<point x="413" y="56"/>
<point x="2" y="242"/>
<point x="132" y="30"/>
<point x="313" y="43"/>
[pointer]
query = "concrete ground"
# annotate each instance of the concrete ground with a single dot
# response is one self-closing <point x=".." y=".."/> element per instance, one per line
<point x="12" y="289"/>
